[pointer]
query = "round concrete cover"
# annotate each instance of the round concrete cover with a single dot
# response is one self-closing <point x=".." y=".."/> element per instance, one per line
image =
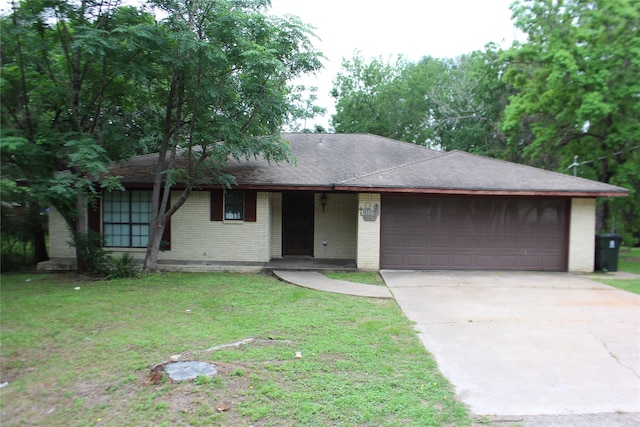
<point x="182" y="371"/>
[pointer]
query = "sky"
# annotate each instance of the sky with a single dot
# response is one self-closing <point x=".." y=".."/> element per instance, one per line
<point x="385" y="29"/>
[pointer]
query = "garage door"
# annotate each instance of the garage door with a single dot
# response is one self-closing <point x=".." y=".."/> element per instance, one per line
<point x="424" y="233"/>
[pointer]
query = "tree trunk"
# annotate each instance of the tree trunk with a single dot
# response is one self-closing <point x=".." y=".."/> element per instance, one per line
<point x="38" y="234"/>
<point x="80" y="234"/>
<point x="153" y="248"/>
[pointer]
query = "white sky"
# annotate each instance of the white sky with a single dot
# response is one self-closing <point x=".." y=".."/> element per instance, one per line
<point x="413" y="28"/>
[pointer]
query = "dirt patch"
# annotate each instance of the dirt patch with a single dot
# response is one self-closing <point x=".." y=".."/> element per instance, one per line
<point x="219" y="399"/>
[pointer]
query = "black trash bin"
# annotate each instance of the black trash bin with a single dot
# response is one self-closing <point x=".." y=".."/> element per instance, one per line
<point x="607" y="248"/>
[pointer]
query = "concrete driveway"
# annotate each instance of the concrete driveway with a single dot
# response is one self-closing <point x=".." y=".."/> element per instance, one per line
<point x="527" y="343"/>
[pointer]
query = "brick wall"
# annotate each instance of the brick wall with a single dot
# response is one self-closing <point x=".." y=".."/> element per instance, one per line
<point x="336" y="225"/>
<point x="59" y="237"/>
<point x="582" y="229"/>
<point x="368" y="236"/>
<point x="195" y="238"/>
<point x="276" y="225"/>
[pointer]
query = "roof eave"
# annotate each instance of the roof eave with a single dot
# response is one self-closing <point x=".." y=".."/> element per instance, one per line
<point x="465" y="192"/>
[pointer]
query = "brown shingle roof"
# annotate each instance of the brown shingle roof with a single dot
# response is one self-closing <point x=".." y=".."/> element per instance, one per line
<point x="363" y="162"/>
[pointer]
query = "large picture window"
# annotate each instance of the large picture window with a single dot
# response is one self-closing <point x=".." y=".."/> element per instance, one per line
<point x="125" y="217"/>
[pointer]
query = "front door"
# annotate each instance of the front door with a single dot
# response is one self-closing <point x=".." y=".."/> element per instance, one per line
<point x="297" y="223"/>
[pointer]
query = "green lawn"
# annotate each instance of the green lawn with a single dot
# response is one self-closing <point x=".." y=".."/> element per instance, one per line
<point x="368" y="277"/>
<point x="82" y="357"/>
<point x="628" y="261"/>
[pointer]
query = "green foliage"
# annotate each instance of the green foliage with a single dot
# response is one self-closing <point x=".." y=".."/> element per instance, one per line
<point x="67" y="82"/>
<point x="84" y="83"/>
<point x="125" y="266"/>
<point x="576" y="95"/>
<point x="376" y="97"/>
<point x="91" y="252"/>
<point x="453" y="104"/>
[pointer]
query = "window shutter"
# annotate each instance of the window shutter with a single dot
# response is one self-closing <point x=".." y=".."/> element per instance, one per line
<point x="250" y="202"/>
<point x="93" y="214"/>
<point x="217" y="205"/>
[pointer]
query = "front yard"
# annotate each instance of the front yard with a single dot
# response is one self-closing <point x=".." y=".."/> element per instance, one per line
<point x="79" y="352"/>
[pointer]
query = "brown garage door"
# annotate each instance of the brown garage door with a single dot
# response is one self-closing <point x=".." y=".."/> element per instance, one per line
<point x="421" y="232"/>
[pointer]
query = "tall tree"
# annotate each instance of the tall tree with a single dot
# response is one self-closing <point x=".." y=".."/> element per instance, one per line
<point x="577" y="87"/>
<point x="68" y="80"/>
<point x="468" y="98"/>
<point x="225" y="94"/>
<point x="443" y="103"/>
<point x="377" y="97"/>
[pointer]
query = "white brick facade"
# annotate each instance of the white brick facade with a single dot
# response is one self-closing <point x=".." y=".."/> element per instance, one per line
<point x="368" y="251"/>
<point x="582" y="230"/>
<point x="276" y="225"/>
<point x="59" y="236"/>
<point x="336" y="225"/>
<point x="195" y="238"/>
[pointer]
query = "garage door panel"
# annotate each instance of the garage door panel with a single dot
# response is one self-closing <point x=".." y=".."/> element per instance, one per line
<point x="465" y="261"/>
<point x="473" y="233"/>
<point x="417" y="259"/>
<point x="437" y="261"/>
<point x="439" y="241"/>
<point x="416" y="242"/>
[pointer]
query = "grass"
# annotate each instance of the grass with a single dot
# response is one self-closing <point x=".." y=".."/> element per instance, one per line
<point x="628" y="261"/>
<point x="367" y="277"/>
<point x="77" y="357"/>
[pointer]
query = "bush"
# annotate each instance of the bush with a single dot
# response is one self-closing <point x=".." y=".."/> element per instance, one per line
<point x="93" y="258"/>
<point x="123" y="267"/>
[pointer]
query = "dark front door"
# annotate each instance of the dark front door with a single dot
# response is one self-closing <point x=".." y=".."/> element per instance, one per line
<point x="297" y="223"/>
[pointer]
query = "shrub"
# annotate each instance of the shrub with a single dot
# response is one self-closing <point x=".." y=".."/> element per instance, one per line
<point x="124" y="266"/>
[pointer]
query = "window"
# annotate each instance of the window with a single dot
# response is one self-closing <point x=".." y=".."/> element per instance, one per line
<point x="126" y="216"/>
<point x="234" y="205"/>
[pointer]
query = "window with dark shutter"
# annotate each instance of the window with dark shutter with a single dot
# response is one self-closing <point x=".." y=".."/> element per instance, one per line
<point x="233" y="205"/>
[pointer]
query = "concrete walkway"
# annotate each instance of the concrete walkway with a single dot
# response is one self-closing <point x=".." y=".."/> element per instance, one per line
<point x="315" y="280"/>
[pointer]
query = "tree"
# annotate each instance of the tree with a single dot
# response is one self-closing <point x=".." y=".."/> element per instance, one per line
<point x="376" y="97"/>
<point x="453" y="104"/>
<point x="89" y="81"/>
<point x="303" y="101"/>
<point x="468" y="99"/>
<point x="223" y="94"/>
<point x="576" y="82"/>
<point x="68" y="81"/>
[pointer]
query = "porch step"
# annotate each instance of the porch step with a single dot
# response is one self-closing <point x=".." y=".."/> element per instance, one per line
<point x="310" y="264"/>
